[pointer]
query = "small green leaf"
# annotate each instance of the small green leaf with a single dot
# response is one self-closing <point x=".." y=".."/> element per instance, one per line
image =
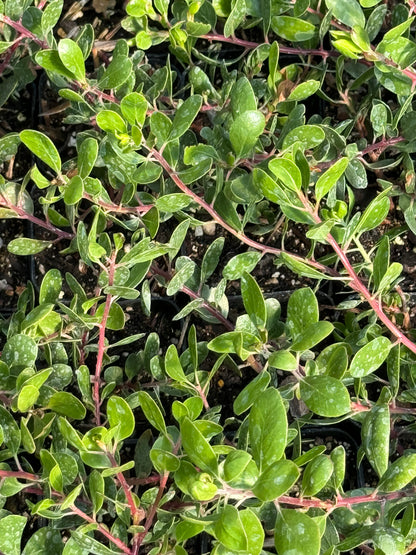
<point x="242" y="97"/>
<point x="304" y="90"/>
<point x="173" y="202"/>
<point x="313" y="335"/>
<point x="197" y="447"/>
<point x="399" y="473"/>
<point x="111" y="121"/>
<point x="287" y="172"/>
<point x="302" y="268"/>
<point x="184" y="116"/>
<point x="283" y="360"/>
<point x="42" y="147"/>
<point x="11" y="530"/>
<point x="51" y="15"/>
<point x="296" y="532"/>
<point x="115" y="320"/>
<point x="309" y="137"/>
<point x="173" y="366"/>
<point x="50" y="287"/>
<point x="381" y="261"/>
<point x="374" y="214"/>
<point x="20" y="350"/>
<point x="268" y="428"/>
<point x="370" y="357"/>
<point x="117" y="73"/>
<point x="240" y="263"/>
<point x="72" y="58"/>
<point x="236" y="13"/>
<point x="134" y="108"/>
<point x="67" y="404"/>
<point x="249" y="394"/>
<point x="253" y="300"/>
<point x="276" y="480"/>
<point x="375" y="433"/>
<point x="293" y="28"/>
<point x="302" y="311"/>
<point x="316" y="475"/>
<point x="74" y="190"/>
<point x="87" y="155"/>
<point x="28" y="396"/>
<point x="151" y="411"/>
<point x="348" y="12"/>
<point x="325" y="395"/>
<point x="120" y="415"/>
<point x="330" y="178"/>
<point x="24" y="246"/>
<point x="245" y="130"/>
<point x="11" y="432"/>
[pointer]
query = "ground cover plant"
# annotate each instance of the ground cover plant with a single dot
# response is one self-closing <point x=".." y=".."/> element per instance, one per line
<point x="208" y="230"/>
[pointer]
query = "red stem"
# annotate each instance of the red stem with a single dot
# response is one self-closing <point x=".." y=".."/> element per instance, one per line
<point x="100" y="528"/>
<point x="17" y="26"/>
<point x="101" y="341"/>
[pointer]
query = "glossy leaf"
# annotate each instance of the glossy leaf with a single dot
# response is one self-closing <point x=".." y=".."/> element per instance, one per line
<point x="375" y="435"/>
<point x="316" y="475"/>
<point x="374" y="214"/>
<point x="173" y="366"/>
<point x="151" y="411"/>
<point x="329" y="179"/>
<point x="325" y="395"/>
<point x="67" y="404"/>
<point x="184" y="116"/>
<point x="313" y="335"/>
<point x="309" y="137"/>
<point x="245" y="130"/>
<point x="197" y="447"/>
<point x="42" y="147"/>
<point x="253" y="300"/>
<point x="302" y="311"/>
<point x="296" y="532"/>
<point x="293" y="28"/>
<point x="87" y="156"/>
<point x="50" y="287"/>
<point x="249" y="394"/>
<point x="287" y="172"/>
<point x="120" y="415"/>
<point x="72" y="58"/>
<point x="370" y="357"/>
<point x="399" y="473"/>
<point x="348" y="12"/>
<point x="11" y="531"/>
<point x="304" y="90"/>
<point x="268" y="428"/>
<point x="240" y="263"/>
<point x="276" y="480"/>
<point x="20" y="350"/>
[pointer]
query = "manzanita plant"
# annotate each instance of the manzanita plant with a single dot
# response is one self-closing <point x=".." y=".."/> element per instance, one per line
<point x="258" y="122"/>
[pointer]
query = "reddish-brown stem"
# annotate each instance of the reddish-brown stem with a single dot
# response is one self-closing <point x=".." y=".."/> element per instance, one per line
<point x="264" y="249"/>
<point x="100" y="528"/>
<point x="101" y="341"/>
<point x="283" y="49"/>
<point x="19" y="28"/>
<point x="19" y="474"/>
<point x="110" y="207"/>
<point x="356" y="406"/>
<point x="150" y="517"/>
<point x="37" y="221"/>
<point x="135" y="511"/>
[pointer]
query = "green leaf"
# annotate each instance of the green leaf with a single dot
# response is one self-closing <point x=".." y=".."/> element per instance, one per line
<point x="381" y="261"/>
<point x="393" y="272"/>
<point x="302" y="268"/>
<point x="249" y="394"/>
<point x="24" y="246"/>
<point x="211" y="258"/>
<point x="374" y="215"/>
<point x="348" y="12"/>
<point x="375" y="434"/>
<point x="338" y="457"/>
<point x="330" y="178"/>
<point x="115" y="320"/>
<point x="111" y="121"/>
<point x="51" y="15"/>
<point x="117" y="73"/>
<point x="11" y="530"/>
<point x="11" y="432"/>
<point x="240" y="263"/>
<point x="268" y="428"/>
<point x="134" y="108"/>
<point x="316" y="475"/>
<point x="283" y="360"/>
<point x="180" y="278"/>
<point x="236" y="15"/>
<point x="184" y="116"/>
<point x="28" y="396"/>
<point x="302" y="311"/>
<point x="120" y="415"/>
<point x="293" y="28"/>
<point x="253" y="300"/>
<point x="296" y="532"/>
<point x="173" y="366"/>
<point x="72" y="58"/>
<point x="304" y="90"/>
<point x="245" y="130"/>
<point x="399" y="473"/>
<point x="87" y="156"/>
<point x="197" y="447"/>
<point x="242" y="97"/>
<point x="309" y="137"/>
<point x="325" y="396"/>
<point x="50" y="287"/>
<point x="287" y="172"/>
<point x="370" y="357"/>
<point x="173" y="202"/>
<point x="239" y="531"/>
<point x="74" y="190"/>
<point x="148" y="172"/>
<point x="20" y="350"/>
<point x="276" y="480"/>
<point x="235" y="464"/>
<point x="313" y="335"/>
<point x="50" y="60"/>
<point x="67" y="404"/>
<point x="151" y="411"/>
<point x="42" y="147"/>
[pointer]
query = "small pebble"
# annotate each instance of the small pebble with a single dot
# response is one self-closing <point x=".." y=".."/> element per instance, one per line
<point x="209" y="228"/>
